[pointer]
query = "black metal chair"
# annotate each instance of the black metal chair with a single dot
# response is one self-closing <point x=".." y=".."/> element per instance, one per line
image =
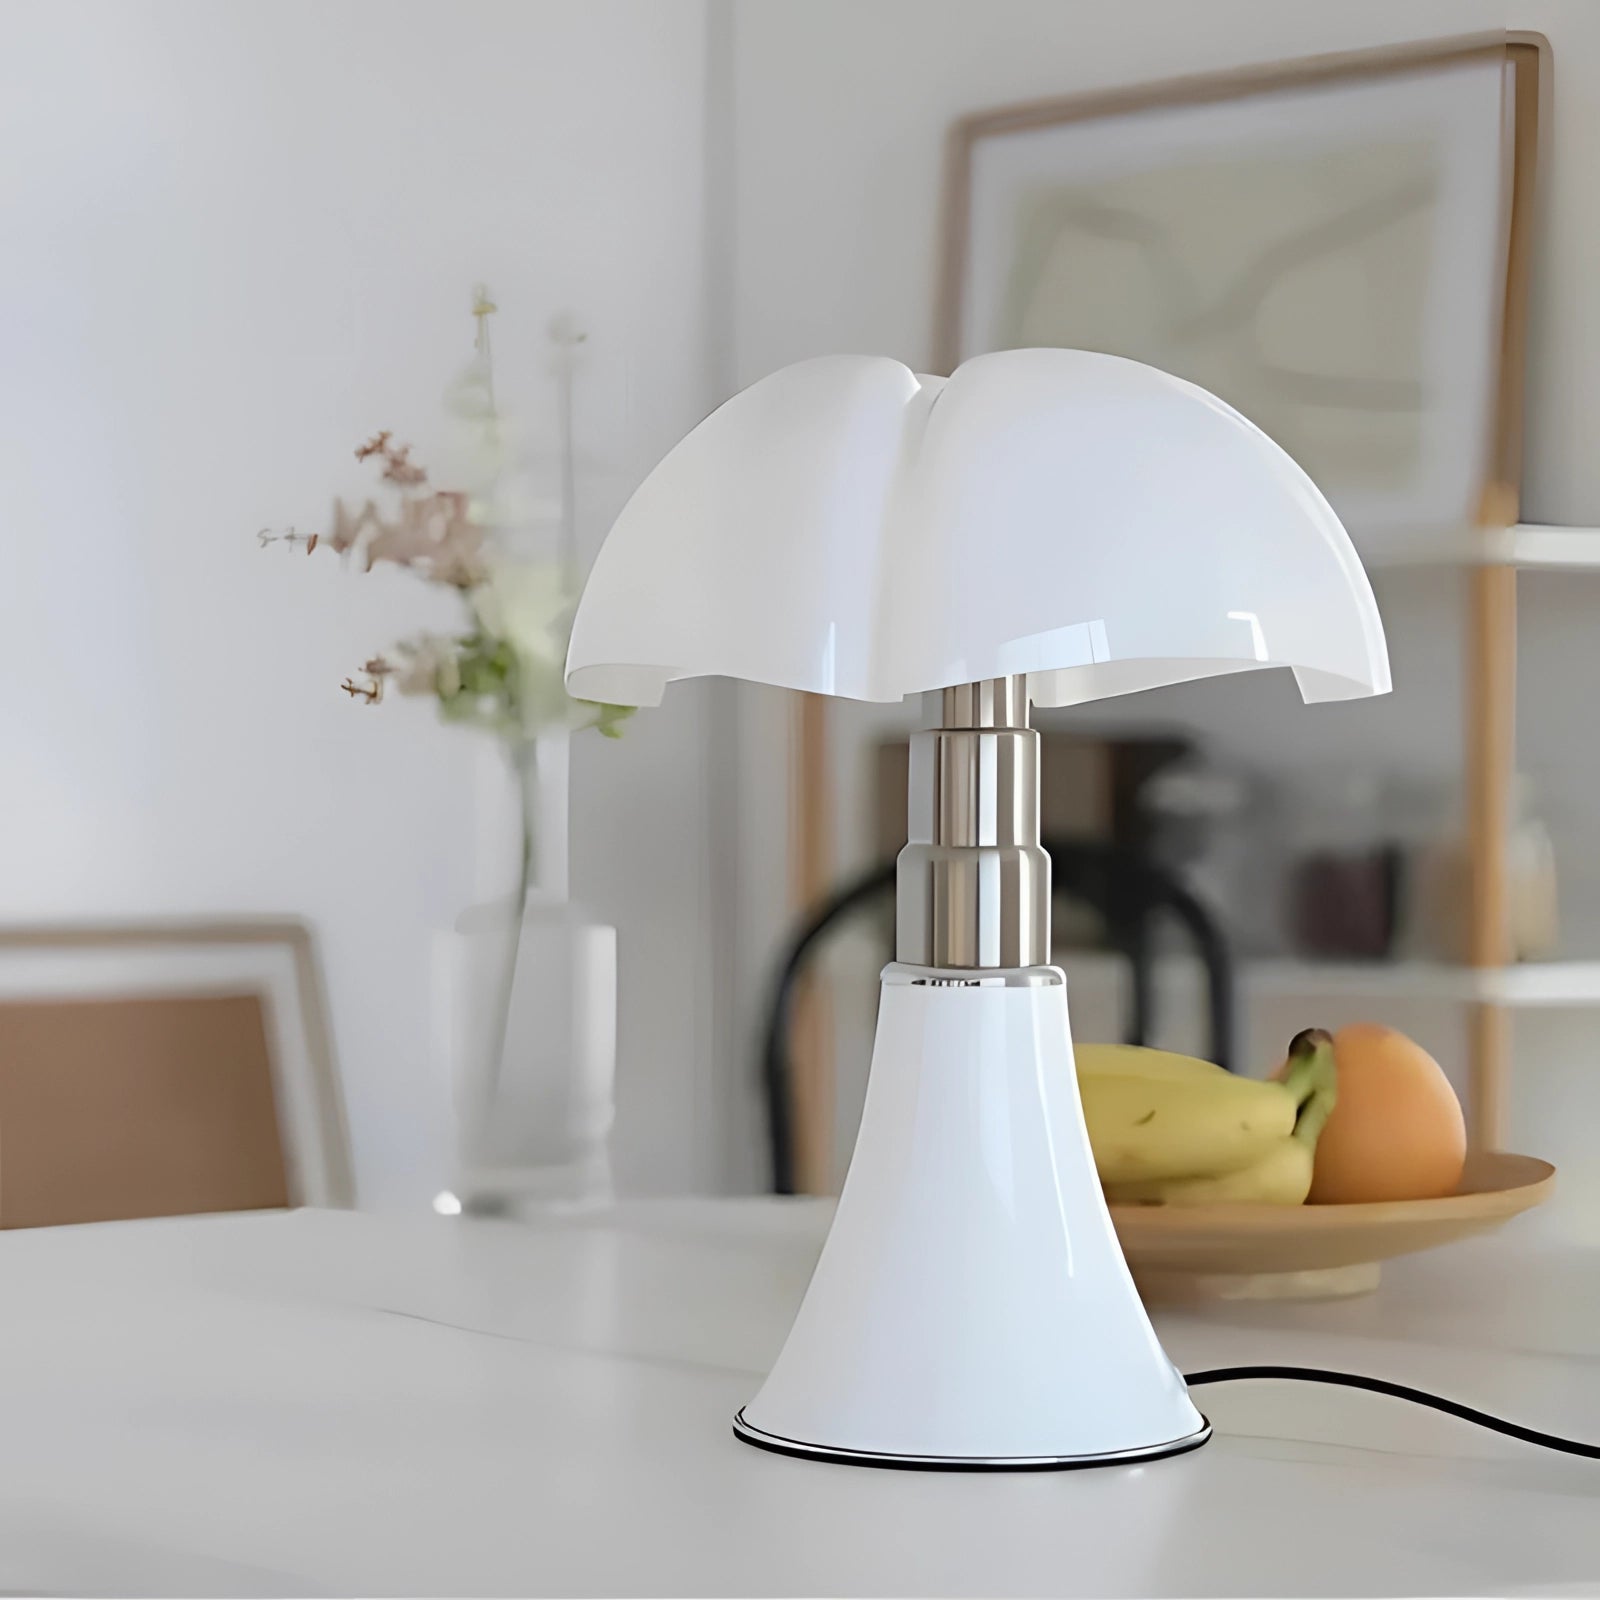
<point x="1124" y="886"/>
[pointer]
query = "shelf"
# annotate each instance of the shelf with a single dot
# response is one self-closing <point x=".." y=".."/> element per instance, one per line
<point x="1541" y="983"/>
<point x="1529" y="545"/>
<point x="1554" y="983"/>
<point x="1551" y="983"/>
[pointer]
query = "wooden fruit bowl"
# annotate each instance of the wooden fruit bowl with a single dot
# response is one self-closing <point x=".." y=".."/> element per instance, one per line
<point x="1315" y="1252"/>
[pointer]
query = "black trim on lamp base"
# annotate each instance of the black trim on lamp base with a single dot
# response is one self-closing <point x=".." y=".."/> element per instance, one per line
<point x="750" y="1434"/>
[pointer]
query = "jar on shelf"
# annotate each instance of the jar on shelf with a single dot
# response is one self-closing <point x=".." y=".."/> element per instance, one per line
<point x="1441" y="899"/>
<point x="1346" y="869"/>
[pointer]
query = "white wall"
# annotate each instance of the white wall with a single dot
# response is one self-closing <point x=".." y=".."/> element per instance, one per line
<point x="236" y="238"/>
<point x="842" y="107"/>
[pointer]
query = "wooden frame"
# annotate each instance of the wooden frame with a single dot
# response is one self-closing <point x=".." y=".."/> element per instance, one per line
<point x="1200" y="89"/>
<point x="1440" y="492"/>
<point x="1491" y="660"/>
<point x="272" y="960"/>
<point x="1491" y="694"/>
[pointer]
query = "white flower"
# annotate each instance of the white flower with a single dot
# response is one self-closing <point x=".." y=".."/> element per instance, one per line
<point x="529" y="605"/>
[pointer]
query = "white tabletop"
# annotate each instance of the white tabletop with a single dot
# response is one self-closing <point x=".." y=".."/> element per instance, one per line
<point x="323" y="1402"/>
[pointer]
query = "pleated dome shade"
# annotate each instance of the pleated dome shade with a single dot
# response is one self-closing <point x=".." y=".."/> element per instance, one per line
<point x="848" y="527"/>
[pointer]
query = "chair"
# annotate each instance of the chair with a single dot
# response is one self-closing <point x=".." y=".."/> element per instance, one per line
<point x="1125" y="886"/>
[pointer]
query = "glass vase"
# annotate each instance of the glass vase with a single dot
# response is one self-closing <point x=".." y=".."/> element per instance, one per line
<point x="537" y="1035"/>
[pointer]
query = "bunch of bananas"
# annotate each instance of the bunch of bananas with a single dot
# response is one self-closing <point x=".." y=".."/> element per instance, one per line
<point x="1170" y="1130"/>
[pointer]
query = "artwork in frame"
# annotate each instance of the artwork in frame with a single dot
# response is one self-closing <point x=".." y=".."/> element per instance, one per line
<point x="1337" y="247"/>
<point x="163" y="1068"/>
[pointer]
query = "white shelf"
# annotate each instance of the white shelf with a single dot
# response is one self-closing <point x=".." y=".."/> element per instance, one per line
<point x="1549" y="983"/>
<point x="1528" y="544"/>
<point x="1553" y="983"/>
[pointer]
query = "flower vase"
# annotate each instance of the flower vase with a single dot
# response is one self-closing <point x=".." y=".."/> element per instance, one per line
<point x="536" y="1032"/>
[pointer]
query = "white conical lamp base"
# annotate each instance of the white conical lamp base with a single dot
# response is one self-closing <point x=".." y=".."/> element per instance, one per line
<point x="972" y="1307"/>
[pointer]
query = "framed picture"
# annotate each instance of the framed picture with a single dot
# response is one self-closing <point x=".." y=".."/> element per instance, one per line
<point x="1337" y="247"/>
<point x="164" y="1069"/>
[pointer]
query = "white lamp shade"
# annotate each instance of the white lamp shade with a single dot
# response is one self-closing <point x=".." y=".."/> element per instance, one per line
<point x="850" y="528"/>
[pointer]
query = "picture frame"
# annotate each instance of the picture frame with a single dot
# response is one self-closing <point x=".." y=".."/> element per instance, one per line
<point x="178" y="964"/>
<point x="1194" y="223"/>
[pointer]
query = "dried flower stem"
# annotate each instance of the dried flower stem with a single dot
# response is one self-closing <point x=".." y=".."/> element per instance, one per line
<point x="266" y="536"/>
<point x="371" y="691"/>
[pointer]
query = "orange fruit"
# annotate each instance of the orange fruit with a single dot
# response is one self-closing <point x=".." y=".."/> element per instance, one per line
<point x="1396" y="1132"/>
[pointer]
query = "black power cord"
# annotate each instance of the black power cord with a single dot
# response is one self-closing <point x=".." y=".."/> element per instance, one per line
<point x="1398" y="1391"/>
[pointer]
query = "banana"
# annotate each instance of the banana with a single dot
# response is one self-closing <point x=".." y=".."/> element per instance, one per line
<point x="1135" y="1061"/>
<point x="1281" y="1175"/>
<point x="1170" y="1123"/>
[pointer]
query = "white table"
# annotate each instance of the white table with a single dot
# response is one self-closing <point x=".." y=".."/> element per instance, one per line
<point x="323" y="1402"/>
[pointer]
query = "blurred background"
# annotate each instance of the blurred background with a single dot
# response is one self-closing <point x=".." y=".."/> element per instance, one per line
<point x="537" y="241"/>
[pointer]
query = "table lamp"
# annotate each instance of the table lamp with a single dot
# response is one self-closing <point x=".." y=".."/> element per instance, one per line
<point x="1044" y="526"/>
